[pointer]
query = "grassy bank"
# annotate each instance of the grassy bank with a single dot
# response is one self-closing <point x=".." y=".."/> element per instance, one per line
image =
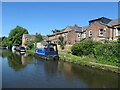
<point x="89" y="61"/>
<point x="31" y="51"/>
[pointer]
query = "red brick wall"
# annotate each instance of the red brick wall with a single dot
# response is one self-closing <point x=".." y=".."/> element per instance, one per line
<point x="95" y="27"/>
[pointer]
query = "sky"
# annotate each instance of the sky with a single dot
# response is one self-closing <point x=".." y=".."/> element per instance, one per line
<point x="42" y="17"/>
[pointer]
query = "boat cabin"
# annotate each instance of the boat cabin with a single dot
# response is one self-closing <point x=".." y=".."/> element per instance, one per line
<point x="49" y="50"/>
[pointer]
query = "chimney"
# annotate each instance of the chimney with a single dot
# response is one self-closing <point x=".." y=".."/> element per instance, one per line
<point x="36" y="33"/>
<point x="76" y="25"/>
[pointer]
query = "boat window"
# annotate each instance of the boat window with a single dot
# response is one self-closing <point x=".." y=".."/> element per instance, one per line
<point x="36" y="50"/>
<point x="51" y="49"/>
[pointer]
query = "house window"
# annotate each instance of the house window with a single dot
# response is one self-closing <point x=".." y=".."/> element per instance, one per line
<point x="90" y="33"/>
<point x="52" y="37"/>
<point x="118" y="32"/>
<point x="64" y="34"/>
<point x="84" y="34"/>
<point x="104" y="29"/>
<point x="79" y="34"/>
<point x="101" y="32"/>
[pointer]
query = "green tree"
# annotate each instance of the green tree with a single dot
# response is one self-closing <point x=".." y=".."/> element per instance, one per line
<point x="15" y="35"/>
<point x="30" y="44"/>
<point x="5" y="42"/>
<point x="38" y="38"/>
<point x="61" y="42"/>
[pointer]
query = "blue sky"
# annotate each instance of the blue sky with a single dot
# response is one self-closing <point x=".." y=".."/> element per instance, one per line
<point x="42" y="17"/>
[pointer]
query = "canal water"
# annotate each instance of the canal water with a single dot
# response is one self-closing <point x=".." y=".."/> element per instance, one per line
<point x="27" y="71"/>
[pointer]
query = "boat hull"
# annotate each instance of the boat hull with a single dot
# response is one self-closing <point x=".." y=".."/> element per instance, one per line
<point x="47" y="57"/>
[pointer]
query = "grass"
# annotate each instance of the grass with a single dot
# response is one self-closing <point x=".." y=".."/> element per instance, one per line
<point x="89" y="61"/>
<point x="31" y="51"/>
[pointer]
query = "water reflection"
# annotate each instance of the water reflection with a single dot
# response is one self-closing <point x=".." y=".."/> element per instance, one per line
<point x="95" y="78"/>
<point x="50" y="66"/>
<point x="17" y="60"/>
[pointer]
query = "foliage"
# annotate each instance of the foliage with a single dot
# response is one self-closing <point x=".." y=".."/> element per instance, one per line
<point x="61" y="38"/>
<point x="61" y="43"/>
<point x="30" y="44"/>
<point x="107" y="52"/>
<point x="15" y="35"/>
<point x="86" y="60"/>
<point x="118" y="40"/>
<point x="5" y="42"/>
<point x="14" y="60"/>
<point x="104" y="53"/>
<point x="85" y="47"/>
<point x="108" y="41"/>
<point x="38" y="38"/>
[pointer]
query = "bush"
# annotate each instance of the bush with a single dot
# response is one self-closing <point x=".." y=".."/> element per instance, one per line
<point x="107" y="52"/>
<point x="85" y="47"/>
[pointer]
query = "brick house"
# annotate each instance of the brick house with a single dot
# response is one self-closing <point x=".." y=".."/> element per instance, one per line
<point x="70" y="34"/>
<point x="103" y="28"/>
<point x="98" y="29"/>
<point x="27" y="37"/>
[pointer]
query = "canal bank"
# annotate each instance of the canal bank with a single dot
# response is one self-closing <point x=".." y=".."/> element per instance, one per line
<point x="86" y="61"/>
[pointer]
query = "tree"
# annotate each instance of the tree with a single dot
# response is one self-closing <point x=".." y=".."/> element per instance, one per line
<point x="15" y="35"/>
<point x="61" y="38"/>
<point x="38" y="38"/>
<point x="30" y="44"/>
<point x="5" y="42"/>
<point x="61" y="43"/>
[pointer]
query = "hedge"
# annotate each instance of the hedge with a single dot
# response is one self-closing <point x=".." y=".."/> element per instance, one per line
<point x="102" y="52"/>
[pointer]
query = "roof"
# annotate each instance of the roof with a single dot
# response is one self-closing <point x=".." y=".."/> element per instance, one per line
<point x="29" y="36"/>
<point x="45" y="37"/>
<point x="77" y="29"/>
<point x="98" y="19"/>
<point x="85" y="28"/>
<point x="114" y="22"/>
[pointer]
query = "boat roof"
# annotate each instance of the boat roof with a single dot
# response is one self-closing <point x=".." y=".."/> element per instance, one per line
<point x="51" y="44"/>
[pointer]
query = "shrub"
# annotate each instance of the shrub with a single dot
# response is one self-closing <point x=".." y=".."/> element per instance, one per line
<point x="107" y="52"/>
<point x="118" y="40"/>
<point x="85" y="47"/>
<point x="102" y="52"/>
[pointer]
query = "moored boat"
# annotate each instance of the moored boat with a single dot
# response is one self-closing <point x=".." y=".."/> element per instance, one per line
<point x="20" y="49"/>
<point x="50" y="51"/>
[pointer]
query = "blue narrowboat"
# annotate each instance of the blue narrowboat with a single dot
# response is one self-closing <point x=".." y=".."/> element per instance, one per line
<point x="50" y="51"/>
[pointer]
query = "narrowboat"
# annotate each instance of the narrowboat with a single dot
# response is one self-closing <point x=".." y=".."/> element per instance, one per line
<point x="20" y="49"/>
<point x="49" y="51"/>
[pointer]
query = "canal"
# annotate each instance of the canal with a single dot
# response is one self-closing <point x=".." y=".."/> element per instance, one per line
<point x="27" y="71"/>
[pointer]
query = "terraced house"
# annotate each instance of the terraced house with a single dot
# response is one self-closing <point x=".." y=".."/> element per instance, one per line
<point x="98" y="29"/>
<point x="70" y="34"/>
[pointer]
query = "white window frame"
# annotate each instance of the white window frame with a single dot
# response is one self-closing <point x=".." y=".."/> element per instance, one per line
<point x="64" y="34"/>
<point x="118" y="32"/>
<point x="84" y="34"/>
<point x="105" y="29"/>
<point x="101" y="32"/>
<point x="79" y="34"/>
<point x="90" y="33"/>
